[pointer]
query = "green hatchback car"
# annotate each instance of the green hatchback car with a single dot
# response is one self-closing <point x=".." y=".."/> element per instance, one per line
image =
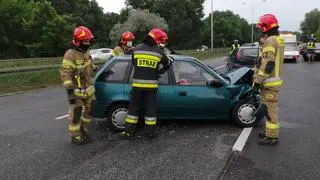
<point x="188" y="90"/>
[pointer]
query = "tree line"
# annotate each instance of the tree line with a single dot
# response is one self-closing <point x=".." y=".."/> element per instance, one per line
<point x="43" y="28"/>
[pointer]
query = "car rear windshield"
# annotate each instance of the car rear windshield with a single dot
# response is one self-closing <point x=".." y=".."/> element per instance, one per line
<point x="252" y="52"/>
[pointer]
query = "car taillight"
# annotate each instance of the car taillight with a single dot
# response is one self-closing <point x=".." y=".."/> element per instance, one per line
<point x="238" y="55"/>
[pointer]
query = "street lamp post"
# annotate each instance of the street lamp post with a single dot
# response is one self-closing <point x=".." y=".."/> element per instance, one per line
<point x="252" y="15"/>
<point x="212" y="25"/>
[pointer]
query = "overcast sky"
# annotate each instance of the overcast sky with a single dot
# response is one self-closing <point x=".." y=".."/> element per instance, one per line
<point x="289" y="12"/>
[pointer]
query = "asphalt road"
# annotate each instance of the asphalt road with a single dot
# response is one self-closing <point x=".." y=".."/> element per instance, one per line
<point x="35" y="145"/>
<point x="297" y="157"/>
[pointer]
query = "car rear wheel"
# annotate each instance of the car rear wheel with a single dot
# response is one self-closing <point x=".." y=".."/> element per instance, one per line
<point x="117" y="115"/>
<point x="243" y="112"/>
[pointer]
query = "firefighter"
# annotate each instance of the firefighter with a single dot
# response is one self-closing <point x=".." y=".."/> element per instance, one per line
<point x="125" y="46"/>
<point x="146" y="59"/>
<point x="234" y="48"/>
<point x="311" y="44"/>
<point x="267" y="76"/>
<point x="310" y="49"/>
<point x="77" y="77"/>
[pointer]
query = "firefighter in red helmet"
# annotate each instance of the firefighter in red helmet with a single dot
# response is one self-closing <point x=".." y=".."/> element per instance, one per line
<point x="146" y="59"/>
<point x="267" y="76"/>
<point x="126" y="44"/>
<point x="76" y="74"/>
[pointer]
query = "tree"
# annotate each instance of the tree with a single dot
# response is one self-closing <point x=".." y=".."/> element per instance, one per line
<point x="311" y="24"/>
<point x="140" y="22"/>
<point x="48" y="32"/>
<point x="226" y="28"/>
<point x="183" y="17"/>
<point x="12" y="16"/>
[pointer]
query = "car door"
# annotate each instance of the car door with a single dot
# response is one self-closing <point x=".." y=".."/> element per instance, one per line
<point x="110" y="83"/>
<point x="192" y="96"/>
<point x="164" y="95"/>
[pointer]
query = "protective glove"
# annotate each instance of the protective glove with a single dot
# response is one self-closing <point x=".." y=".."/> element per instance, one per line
<point x="170" y="59"/>
<point x="90" y="91"/>
<point x="71" y="96"/>
<point x="256" y="88"/>
<point x="80" y="93"/>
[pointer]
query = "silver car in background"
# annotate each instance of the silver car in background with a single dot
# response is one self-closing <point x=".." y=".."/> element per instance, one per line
<point x="101" y="54"/>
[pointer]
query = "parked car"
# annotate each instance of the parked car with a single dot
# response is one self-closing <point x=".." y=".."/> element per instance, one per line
<point x="188" y="90"/>
<point x="246" y="57"/>
<point x="101" y="54"/>
<point x="291" y="52"/>
<point x="203" y="48"/>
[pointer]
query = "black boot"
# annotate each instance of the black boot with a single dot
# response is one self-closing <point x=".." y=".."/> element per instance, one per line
<point x="79" y="140"/>
<point x="87" y="136"/>
<point x="127" y="135"/>
<point x="267" y="141"/>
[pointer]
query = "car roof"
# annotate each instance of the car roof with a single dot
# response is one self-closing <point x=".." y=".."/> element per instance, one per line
<point x="174" y="56"/>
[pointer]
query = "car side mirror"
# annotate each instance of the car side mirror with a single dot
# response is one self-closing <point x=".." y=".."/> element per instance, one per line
<point x="214" y="83"/>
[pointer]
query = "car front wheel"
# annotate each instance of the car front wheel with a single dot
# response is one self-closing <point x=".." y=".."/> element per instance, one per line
<point x="243" y="113"/>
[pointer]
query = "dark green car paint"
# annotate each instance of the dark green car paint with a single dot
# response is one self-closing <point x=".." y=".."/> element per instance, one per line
<point x="200" y="102"/>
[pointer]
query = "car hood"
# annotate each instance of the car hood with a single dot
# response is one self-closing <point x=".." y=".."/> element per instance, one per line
<point x="237" y="74"/>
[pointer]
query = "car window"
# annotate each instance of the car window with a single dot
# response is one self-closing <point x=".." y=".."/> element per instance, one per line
<point x="116" y="73"/>
<point x="190" y="74"/>
<point x="163" y="80"/>
<point x="105" y="51"/>
<point x="252" y="52"/>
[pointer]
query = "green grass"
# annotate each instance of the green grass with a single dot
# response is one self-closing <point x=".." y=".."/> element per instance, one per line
<point x="28" y="81"/>
<point x="31" y="62"/>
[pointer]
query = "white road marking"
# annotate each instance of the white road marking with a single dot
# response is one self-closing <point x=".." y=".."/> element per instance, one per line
<point x="219" y="67"/>
<point x="242" y="139"/>
<point x="62" y="117"/>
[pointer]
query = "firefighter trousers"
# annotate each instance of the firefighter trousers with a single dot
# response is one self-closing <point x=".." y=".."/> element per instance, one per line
<point x="269" y="97"/>
<point x="142" y="102"/>
<point x="80" y="117"/>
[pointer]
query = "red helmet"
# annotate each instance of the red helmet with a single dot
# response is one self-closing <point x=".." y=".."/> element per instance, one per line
<point x="81" y="33"/>
<point x="127" y="36"/>
<point x="158" y="35"/>
<point x="267" y="22"/>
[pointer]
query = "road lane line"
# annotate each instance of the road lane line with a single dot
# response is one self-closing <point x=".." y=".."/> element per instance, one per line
<point x="242" y="139"/>
<point x="219" y="67"/>
<point x="62" y="117"/>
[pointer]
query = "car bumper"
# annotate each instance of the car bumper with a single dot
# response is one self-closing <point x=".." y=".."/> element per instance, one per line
<point x="291" y="56"/>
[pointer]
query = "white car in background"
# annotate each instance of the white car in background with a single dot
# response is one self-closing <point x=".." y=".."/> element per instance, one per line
<point x="101" y="54"/>
<point x="291" y="51"/>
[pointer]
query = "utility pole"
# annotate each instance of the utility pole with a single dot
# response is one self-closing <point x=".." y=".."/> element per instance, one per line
<point x="212" y="25"/>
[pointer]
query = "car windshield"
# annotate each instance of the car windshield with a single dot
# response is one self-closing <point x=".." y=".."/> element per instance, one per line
<point x="290" y="47"/>
<point x="252" y="52"/>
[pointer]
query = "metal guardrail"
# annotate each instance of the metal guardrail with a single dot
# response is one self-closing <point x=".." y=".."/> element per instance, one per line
<point x="32" y="59"/>
<point x="36" y="68"/>
<point x="54" y="66"/>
